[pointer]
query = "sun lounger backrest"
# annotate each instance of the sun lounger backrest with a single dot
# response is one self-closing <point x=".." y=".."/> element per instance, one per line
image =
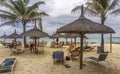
<point x="58" y="55"/>
<point x="102" y="56"/>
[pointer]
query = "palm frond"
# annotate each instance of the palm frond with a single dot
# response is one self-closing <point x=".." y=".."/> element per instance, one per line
<point x="10" y="7"/>
<point x="115" y="12"/>
<point x="32" y="14"/>
<point x="42" y="14"/>
<point x="26" y="2"/>
<point x="113" y="4"/>
<point x="18" y="5"/>
<point x="103" y="3"/>
<point x="36" y="14"/>
<point x="34" y="6"/>
<point x="89" y="11"/>
<point x="33" y="19"/>
<point x="93" y="8"/>
<point x="7" y="12"/>
<point x="21" y="6"/>
<point x="10" y="23"/>
<point x="76" y="9"/>
<point x="4" y="16"/>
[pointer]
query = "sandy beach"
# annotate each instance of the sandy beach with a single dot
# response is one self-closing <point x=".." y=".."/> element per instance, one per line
<point x="30" y="63"/>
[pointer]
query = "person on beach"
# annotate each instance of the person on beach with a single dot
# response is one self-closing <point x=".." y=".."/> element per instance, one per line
<point x="70" y="48"/>
<point x="14" y="44"/>
<point x="32" y="47"/>
<point x="19" y="43"/>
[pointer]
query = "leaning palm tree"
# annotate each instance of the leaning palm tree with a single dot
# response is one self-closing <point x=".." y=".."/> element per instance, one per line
<point x="101" y="8"/>
<point x="20" y="11"/>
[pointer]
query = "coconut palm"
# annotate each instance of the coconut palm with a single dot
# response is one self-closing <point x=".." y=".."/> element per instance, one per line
<point x="102" y="8"/>
<point x="20" y="11"/>
<point x="40" y="24"/>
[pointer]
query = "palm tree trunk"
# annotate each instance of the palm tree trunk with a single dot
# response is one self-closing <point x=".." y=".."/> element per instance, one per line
<point x="102" y="42"/>
<point x="24" y="30"/>
<point x="102" y="35"/>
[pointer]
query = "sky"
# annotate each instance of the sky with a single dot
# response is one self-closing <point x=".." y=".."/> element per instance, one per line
<point x="60" y="14"/>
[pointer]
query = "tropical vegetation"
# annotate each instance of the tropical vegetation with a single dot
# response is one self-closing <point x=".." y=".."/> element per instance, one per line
<point x="101" y="8"/>
<point x="20" y="11"/>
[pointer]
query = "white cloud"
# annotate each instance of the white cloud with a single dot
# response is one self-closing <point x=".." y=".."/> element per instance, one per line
<point x="9" y="30"/>
<point x="64" y="7"/>
<point x="60" y="14"/>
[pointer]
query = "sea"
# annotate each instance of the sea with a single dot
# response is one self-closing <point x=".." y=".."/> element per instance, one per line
<point x="89" y="40"/>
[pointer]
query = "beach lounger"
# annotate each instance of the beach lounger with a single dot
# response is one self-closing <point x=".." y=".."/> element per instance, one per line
<point x="7" y="66"/>
<point x="58" y="56"/>
<point x="102" y="57"/>
<point x="74" y="54"/>
<point x="17" y="51"/>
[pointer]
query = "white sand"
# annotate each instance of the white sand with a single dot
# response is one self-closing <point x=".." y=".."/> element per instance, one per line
<point x="29" y="63"/>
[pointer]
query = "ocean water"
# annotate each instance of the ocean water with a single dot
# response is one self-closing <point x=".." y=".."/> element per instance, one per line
<point x="90" y="40"/>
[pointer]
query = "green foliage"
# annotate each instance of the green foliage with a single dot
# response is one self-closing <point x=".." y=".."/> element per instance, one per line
<point x="19" y="10"/>
<point x="102" y="8"/>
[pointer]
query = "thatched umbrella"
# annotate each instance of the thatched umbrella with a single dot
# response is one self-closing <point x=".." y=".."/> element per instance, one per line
<point x="83" y="26"/>
<point x="14" y="35"/>
<point x="69" y="35"/>
<point x="4" y="36"/>
<point x="77" y="35"/>
<point x="57" y="36"/>
<point x="35" y="33"/>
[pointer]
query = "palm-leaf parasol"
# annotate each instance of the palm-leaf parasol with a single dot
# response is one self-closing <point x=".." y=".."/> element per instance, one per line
<point x="57" y="36"/>
<point x="68" y="35"/>
<point x="83" y="26"/>
<point x="35" y="33"/>
<point x="14" y="35"/>
<point x="4" y="36"/>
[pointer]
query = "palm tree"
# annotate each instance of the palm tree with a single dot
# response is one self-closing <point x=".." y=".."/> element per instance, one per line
<point x="101" y="8"/>
<point x="40" y="24"/>
<point x="20" y="11"/>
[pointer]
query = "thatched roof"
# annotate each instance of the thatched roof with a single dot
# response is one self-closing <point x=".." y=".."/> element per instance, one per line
<point x="4" y="36"/>
<point x="14" y="35"/>
<point x="35" y="32"/>
<point x="56" y="35"/>
<point x="84" y="25"/>
<point x="68" y="35"/>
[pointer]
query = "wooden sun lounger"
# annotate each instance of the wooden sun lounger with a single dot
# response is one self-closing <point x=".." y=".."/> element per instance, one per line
<point x="7" y="66"/>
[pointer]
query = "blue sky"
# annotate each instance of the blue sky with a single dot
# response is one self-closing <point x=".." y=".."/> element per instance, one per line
<point x="60" y="14"/>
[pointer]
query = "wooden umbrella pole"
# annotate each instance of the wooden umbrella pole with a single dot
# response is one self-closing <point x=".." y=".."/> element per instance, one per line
<point x="75" y="41"/>
<point x="71" y="39"/>
<point x="111" y="43"/>
<point x="81" y="51"/>
<point x="35" y="44"/>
